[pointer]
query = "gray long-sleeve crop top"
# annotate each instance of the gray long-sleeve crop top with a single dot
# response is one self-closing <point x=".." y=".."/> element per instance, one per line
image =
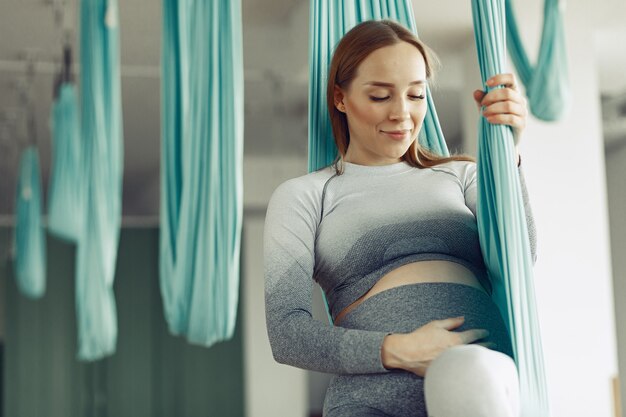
<point x="346" y="232"/>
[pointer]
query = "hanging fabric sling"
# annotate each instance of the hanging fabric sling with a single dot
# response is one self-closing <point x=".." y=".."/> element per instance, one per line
<point x="101" y="133"/>
<point x="65" y="188"/>
<point x="201" y="167"/>
<point x="502" y="226"/>
<point x="547" y="84"/>
<point x="501" y="221"/>
<point x="30" y="244"/>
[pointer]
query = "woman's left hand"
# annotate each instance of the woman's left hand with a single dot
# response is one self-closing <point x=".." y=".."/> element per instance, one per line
<point x="504" y="106"/>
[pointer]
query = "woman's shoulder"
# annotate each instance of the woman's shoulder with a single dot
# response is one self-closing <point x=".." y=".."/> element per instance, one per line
<point x="303" y="190"/>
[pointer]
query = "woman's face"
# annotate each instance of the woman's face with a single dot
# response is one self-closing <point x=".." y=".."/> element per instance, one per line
<point x="385" y="104"/>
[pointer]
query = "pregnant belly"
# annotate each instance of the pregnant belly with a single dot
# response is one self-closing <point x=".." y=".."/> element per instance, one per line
<point x="404" y="308"/>
<point x="415" y="273"/>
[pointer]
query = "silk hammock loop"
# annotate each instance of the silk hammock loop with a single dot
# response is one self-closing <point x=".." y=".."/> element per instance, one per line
<point x="201" y="167"/>
<point x="65" y="189"/>
<point x="547" y="84"/>
<point x="101" y="132"/>
<point x="501" y="220"/>
<point x="30" y="246"/>
<point x="502" y="228"/>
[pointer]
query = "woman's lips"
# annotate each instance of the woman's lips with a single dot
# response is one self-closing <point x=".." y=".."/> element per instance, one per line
<point x="396" y="134"/>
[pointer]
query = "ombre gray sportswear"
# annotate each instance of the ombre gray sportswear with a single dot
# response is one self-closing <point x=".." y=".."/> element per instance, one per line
<point x="346" y="232"/>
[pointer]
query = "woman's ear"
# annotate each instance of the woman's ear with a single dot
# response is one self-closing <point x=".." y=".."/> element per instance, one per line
<point x="338" y="94"/>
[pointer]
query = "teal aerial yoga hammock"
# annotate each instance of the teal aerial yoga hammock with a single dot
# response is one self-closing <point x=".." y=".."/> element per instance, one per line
<point x="201" y="167"/>
<point x="547" y="85"/>
<point x="101" y="133"/>
<point x="65" y="188"/>
<point x="30" y="243"/>
<point x="501" y="222"/>
<point x="502" y="226"/>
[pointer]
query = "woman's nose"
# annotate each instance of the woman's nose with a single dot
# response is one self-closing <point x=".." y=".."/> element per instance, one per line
<point x="399" y="110"/>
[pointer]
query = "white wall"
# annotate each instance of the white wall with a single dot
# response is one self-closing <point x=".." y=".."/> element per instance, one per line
<point x="574" y="280"/>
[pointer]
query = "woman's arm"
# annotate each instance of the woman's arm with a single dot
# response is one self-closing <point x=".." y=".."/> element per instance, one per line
<point x="509" y="107"/>
<point x="296" y="338"/>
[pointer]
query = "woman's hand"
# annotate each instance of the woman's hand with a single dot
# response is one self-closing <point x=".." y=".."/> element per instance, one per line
<point x="415" y="351"/>
<point x="504" y="106"/>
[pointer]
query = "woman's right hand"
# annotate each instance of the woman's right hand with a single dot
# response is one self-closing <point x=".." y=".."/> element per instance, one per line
<point x="415" y="351"/>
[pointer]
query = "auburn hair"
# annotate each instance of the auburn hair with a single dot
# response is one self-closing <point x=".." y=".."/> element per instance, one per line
<point x="352" y="49"/>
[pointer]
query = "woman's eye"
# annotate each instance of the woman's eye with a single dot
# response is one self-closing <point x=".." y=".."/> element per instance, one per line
<point x="412" y="97"/>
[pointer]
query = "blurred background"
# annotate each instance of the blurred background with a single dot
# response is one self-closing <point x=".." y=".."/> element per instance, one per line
<point x="575" y="170"/>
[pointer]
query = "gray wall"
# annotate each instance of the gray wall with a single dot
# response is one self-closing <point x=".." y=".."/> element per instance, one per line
<point x="615" y="174"/>
<point x="152" y="373"/>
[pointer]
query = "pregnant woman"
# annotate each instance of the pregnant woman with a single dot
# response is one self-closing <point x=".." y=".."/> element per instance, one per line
<point x="389" y="232"/>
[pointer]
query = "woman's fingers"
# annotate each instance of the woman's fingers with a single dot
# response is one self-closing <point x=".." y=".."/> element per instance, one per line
<point x="465" y="337"/>
<point x="470" y="336"/>
<point x="414" y="351"/>
<point x="478" y="97"/>
<point x="503" y="94"/>
<point x="516" y="122"/>
<point x="507" y="80"/>
<point x="451" y="323"/>
<point x="507" y="113"/>
<point x="505" y="107"/>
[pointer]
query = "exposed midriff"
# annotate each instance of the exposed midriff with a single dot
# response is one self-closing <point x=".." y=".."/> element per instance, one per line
<point x="415" y="273"/>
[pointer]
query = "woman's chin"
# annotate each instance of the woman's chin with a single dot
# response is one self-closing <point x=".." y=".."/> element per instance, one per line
<point x="398" y="151"/>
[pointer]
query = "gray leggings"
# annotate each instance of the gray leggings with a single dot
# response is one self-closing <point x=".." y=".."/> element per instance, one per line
<point x="400" y="393"/>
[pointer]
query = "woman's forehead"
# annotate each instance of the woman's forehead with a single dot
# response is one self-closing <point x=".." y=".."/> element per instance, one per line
<point x="401" y="62"/>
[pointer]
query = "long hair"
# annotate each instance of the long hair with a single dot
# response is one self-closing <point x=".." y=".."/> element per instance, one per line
<point x="354" y="47"/>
